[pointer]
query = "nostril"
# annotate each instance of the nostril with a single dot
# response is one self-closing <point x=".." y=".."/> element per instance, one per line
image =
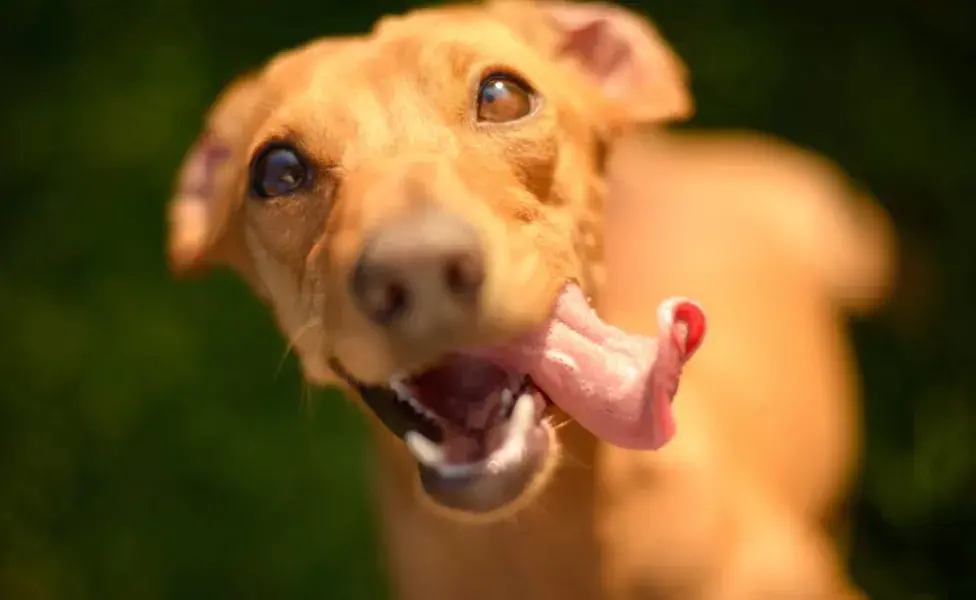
<point x="384" y="300"/>
<point x="464" y="274"/>
<point x="420" y="273"/>
<point x="390" y="303"/>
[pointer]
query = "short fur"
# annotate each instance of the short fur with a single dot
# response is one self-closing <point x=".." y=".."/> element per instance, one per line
<point x="768" y="238"/>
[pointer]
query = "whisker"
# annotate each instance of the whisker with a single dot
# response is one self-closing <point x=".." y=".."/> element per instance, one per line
<point x="306" y="399"/>
<point x="290" y="344"/>
<point x="560" y="425"/>
<point x="568" y="459"/>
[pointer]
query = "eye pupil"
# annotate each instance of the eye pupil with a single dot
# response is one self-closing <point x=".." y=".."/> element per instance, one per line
<point x="277" y="172"/>
<point x="493" y="90"/>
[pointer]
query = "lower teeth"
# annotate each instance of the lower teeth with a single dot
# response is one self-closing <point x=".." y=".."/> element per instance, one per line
<point x="431" y="454"/>
<point x="423" y="449"/>
<point x="405" y="395"/>
<point x="522" y="416"/>
<point x="507" y="399"/>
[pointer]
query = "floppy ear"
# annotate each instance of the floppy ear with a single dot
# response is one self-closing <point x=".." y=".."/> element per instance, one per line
<point x="617" y="49"/>
<point x="210" y="185"/>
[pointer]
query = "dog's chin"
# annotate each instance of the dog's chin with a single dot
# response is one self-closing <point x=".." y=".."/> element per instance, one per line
<point x="478" y="433"/>
<point x="487" y="493"/>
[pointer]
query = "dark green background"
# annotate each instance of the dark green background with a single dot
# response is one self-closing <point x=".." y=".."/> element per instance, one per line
<point x="152" y="447"/>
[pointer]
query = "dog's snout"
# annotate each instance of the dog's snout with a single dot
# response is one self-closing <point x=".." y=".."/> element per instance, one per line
<point x="420" y="275"/>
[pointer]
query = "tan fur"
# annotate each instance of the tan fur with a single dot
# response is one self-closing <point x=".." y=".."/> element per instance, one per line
<point x="763" y="235"/>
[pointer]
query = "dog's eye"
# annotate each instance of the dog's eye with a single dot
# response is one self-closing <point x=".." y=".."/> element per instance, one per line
<point x="277" y="171"/>
<point x="502" y="98"/>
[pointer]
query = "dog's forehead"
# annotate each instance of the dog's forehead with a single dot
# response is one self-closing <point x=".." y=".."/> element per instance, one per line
<point x="426" y="48"/>
<point x="401" y="84"/>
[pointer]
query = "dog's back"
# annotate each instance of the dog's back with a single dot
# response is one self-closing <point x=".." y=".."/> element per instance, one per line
<point x="777" y="246"/>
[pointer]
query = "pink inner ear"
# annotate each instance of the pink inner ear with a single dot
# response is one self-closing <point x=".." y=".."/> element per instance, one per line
<point x="192" y="213"/>
<point x="599" y="48"/>
<point x="199" y="170"/>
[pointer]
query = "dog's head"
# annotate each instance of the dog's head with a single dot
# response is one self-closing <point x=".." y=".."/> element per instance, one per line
<point x="403" y="197"/>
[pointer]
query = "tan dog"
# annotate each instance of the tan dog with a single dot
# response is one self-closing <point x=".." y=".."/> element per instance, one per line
<point x="412" y="204"/>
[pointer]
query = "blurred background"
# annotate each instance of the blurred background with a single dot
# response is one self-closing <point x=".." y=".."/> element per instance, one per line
<point x="156" y="442"/>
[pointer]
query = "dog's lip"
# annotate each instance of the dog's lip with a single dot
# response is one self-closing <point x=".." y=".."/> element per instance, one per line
<point x="398" y="417"/>
<point x="393" y="406"/>
<point x="409" y="418"/>
<point x="492" y="486"/>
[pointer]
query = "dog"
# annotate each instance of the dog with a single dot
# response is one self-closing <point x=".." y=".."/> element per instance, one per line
<point x="470" y="194"/>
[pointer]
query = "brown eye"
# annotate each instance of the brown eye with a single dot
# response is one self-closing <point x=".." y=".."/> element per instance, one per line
<point x="502" y="98"/>
<point x="277" y="171"/>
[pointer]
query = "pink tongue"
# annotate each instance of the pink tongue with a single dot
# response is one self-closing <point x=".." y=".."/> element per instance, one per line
<point x="617" y="386"/>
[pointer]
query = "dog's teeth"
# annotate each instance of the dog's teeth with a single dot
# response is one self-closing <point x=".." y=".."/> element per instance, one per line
<point x="514" y="447"/>
<point x="423" y="449"/>
<point x="523" y="415"/>
<point x="401" y="388"/>
<point x="507" y="398"/>
<point x="420" y="408"/>
<point x="404" y="394"/>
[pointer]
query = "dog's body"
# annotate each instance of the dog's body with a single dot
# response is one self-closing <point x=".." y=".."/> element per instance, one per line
<point x="738" y="504"/>
<point x="742" y="502"/>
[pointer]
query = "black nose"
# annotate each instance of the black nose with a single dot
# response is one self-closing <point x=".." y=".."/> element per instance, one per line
<point x="420" y="275"/>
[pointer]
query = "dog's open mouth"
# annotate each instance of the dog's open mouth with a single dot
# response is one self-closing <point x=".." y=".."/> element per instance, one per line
<point x="474" y="421"/>
<point x="483" y="415"/>
<point x="474" y="428"/>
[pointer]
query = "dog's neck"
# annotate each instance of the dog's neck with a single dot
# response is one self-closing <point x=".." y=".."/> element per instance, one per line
<point x="531" y="549"/>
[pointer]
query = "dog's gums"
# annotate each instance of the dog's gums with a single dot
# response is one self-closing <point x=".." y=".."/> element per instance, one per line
<point x="478" y="414"/>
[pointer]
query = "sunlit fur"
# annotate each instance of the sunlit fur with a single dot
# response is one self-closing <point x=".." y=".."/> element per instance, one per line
<point x="763" y="235"/>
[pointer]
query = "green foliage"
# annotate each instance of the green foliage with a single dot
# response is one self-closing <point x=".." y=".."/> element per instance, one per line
<point x="152" y="447"/>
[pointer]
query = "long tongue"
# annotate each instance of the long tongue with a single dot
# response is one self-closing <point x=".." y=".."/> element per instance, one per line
<point x="616" y="385"/>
